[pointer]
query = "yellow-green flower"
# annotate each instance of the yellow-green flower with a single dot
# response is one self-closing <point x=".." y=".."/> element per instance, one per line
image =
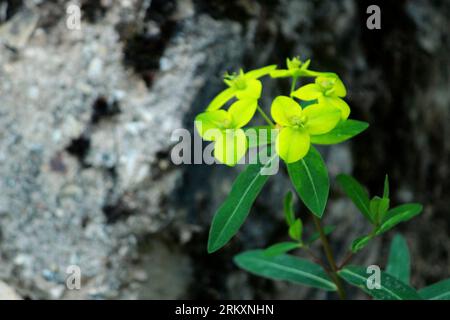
<point x="328" y="90"/>
<point x="224" y="128"/>
<point x="242" y="86"/>
<point x="297" y="125"/>
<point x="295" y="69"/>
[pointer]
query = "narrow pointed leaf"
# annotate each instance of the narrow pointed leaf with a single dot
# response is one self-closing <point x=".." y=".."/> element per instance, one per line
<point x="399" y="264"/>
<point x="345" y="130"/>
<point x="279" y="248"/>
<point x="295" y="230"/>
<point x="285" y="267"/>
<point x="390" y="287"/>
<point x="310" y="179"/>
<point x="356" y="192"/>
<point x="360" y="243"/>
<point x="288" y="207"/>
<point x="437" y="291"/>
<point x="282" y="73"/>
<point x="399" y="214"/>
<point x="386" y="187"/>
<point x="221" y="99"/>
<point x="233" y="212"/>
<point x="258" y="73"/>
<point x="378" y="208"/>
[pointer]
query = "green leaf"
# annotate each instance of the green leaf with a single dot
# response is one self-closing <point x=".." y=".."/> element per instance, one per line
<point x="279" y="248"/>
<point x="342" y="132"/>
<point x="258" y="73"/>
<point x="398" y="264"/>
<point x="233" y="212"/>
<point x="316" y="235"/>
<point x="399" y="214"/>
<point x="221" y="99"/>
<point x="356" y="192"/>
<point x="437" y="291"/>
<point x="378" y="208"/>
<point x="288" y="207"/>
<point x="386" y="187"/>
<point x="296" y="230"/>
<point x="310" y="179"/>
<point x="282" y="73"/>
<point x="360" y="243"/>
<point x="390" y="287"/>
<point x="285" y="267"/>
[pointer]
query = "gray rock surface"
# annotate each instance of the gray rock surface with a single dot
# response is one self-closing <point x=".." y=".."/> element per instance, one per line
<point x="8" y="293"/>
<point x="79" y="190"/>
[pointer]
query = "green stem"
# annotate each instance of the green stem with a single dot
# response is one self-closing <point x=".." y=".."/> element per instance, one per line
<point x="264" y="115"/>
<point x="294" y="82"/>
<point x="330" y="258"/>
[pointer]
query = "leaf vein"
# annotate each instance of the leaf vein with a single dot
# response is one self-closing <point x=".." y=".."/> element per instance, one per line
<point x="305" y="274"/>
<point x="316" y="197"/>
<point x="364" y="279"/>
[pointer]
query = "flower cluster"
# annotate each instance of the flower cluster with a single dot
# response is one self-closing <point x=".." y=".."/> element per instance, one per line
<point x="296" y="125"/>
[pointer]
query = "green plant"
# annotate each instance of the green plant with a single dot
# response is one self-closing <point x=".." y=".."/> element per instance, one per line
<point x="318" y="117"/>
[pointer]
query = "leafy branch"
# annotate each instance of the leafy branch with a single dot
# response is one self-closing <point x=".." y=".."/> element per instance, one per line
<point x="314" y="113"/>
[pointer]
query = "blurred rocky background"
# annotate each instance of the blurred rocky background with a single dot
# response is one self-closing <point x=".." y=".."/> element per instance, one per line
<point x="86" y="118"/>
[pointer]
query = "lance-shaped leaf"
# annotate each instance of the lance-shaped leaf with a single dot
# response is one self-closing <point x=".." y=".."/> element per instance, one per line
<point x="378" y="208"/>
<point x="399" y="264"/>
<point x="345" y="130"/>
<point x="285" y="267"/>
<point x="233" y="212"/>
<point x="360" y="243"/>
<point x="258" y="73"/>
<point x="437" y="291"/>
<point x="386" y="187"/>
<point x="282" y="247"/>
<point x="288" y="208"/>
<point x="221" y="99"/>
<point x="310" y="179"/>
<point x="389" y="287"/>
<point x="296" y="230"/>
<point x="356" y="192"/>
<point x="399" y="214"/>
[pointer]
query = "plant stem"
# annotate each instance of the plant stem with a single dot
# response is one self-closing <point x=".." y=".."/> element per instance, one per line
<point x="316" y="259"/>
<point x="264" y="115"/>
<point x="330" y="258"/>
<point x="346" y="260"/>
<point x="294" y="82"/>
